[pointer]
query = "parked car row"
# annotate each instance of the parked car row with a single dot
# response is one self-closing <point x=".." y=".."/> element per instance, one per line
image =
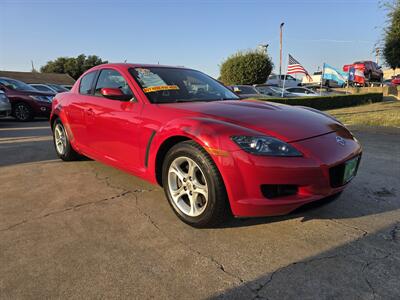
<point x="26" y="101"/>
<point x="265" y="90"/>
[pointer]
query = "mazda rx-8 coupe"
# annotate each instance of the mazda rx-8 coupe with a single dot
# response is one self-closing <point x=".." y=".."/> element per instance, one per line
<point x="214" y="154"/>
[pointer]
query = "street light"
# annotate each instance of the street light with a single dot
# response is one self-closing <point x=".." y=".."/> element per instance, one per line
<point x="280" y="53"/>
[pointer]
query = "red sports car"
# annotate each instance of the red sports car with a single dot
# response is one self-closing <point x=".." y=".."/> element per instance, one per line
<point x="212" y="153"/>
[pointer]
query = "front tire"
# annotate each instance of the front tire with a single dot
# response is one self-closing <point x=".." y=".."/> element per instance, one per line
<point x="62" y="144"/>
<point x="23" y="112"/>
<point x="194" y="186"/>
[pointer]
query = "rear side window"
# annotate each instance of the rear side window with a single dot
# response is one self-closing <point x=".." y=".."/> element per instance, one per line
<point x="85" y="86"/>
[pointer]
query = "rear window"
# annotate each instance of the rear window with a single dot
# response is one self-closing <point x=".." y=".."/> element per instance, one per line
<point x="85" y="86"/>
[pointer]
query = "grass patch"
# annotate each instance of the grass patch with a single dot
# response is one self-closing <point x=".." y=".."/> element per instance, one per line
<point x="376" y="114"/>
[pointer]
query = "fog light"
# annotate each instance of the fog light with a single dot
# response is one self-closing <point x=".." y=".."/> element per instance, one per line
<point x="278" y="190"/>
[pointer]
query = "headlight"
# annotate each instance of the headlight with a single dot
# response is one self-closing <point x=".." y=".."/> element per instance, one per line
<point x="264" y="145"/>
<point x="47" y="99"/>
<point x="3" y="98"/>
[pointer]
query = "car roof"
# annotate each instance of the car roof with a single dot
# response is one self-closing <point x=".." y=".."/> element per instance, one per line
<point x="137" y="65"/>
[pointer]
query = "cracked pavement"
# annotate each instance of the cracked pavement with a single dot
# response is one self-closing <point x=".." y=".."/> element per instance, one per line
<point x="86" y="230"/>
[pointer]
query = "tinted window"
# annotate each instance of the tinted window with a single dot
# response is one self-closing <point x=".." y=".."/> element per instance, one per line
<point x="86" y="83"/>
<point x="112" y="79"/>
<point x="43" y="88"/>
<point x="247" y="89"/>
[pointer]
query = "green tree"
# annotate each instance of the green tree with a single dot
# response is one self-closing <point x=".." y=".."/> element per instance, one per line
<point x="391" y="50"/>
<point x="74" y="66"/>
<point x="249" y="67"/>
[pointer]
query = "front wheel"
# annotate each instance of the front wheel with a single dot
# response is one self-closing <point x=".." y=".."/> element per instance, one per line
<point x="62" y="144"/>
<point x="194" y="186"/>
<point x="23" y="112"/>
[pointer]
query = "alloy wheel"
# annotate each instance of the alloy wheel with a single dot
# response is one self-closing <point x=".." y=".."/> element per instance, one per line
<point x="60" y="139"/>
<point x="187" y="186"/>
<point x="22" y="112"/>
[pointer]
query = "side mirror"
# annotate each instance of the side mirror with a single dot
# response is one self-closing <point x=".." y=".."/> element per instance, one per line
<point x="237" y="90"/>
<point x="114" y="94"/>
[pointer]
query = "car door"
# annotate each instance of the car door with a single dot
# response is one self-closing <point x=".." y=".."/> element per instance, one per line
<point x="76" y="110"/>
<point x="113" y="125"/>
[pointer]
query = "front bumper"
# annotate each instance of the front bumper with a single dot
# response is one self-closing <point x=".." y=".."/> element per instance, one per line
<point x="245" y="175"/>
<point x="5" y="109"/>
<point x="42" y="109"/>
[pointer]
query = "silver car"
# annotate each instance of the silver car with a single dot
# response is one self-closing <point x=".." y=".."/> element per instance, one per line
<point x="5" y="105"/>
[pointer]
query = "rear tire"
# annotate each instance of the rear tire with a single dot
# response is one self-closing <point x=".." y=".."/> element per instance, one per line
<point x="22" y="112"/>
<point x="193" y="186"/>
<point x="62" y="144"/>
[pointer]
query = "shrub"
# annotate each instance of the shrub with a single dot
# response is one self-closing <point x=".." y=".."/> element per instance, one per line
<point x="251" y="67"/>
<point x="329" y="102"/>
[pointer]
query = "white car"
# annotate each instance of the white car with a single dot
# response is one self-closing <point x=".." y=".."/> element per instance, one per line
<point x="302" y="92"/>
<point x="289" y="82"/>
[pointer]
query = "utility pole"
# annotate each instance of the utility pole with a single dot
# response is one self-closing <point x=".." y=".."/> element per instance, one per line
<point x="280" y="51"/>
<point x="378" y="50"/>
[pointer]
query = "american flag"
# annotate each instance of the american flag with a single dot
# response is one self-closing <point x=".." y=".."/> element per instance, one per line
<point x="295" y="67"/>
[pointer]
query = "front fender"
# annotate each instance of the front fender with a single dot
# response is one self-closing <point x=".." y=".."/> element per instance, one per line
<point x="213" y="135"/>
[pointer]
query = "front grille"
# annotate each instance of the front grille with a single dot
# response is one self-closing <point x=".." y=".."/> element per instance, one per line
<point x="278" y="190"/>
<point x="336" y="175"/>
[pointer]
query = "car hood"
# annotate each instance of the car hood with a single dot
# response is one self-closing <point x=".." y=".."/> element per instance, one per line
<point x="287" y="123"/>
<point x="29" y="93"/>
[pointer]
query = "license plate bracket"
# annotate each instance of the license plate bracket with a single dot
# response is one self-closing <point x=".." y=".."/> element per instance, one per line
<point x="350" y="169"/>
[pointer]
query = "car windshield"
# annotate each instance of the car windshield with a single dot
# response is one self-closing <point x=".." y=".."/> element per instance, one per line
<point x="58" y="88"/>
<point x="246" y="89"/>
<point x="17" y="85"/>
<point x="43" y="88"/>
<point x="166" y="85"/>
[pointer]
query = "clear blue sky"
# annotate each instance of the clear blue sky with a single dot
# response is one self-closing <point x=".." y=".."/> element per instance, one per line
<point x="197" y="34"/>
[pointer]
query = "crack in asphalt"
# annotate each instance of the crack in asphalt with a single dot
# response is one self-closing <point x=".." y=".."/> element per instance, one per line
<point x="70" y="208"/>
<point x="219" y="265"/>
<point x="394" y="232"/>
<point x="271" y="277"/>
<point x="214" y="261"/>
<point x="366" y="266"/>
<point x="352" y="227"/>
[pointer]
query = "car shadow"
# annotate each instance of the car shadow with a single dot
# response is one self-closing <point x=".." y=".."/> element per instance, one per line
<point x="366" y="267"/>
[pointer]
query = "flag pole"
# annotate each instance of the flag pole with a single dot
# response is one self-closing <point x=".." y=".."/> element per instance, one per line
<point x="284" y="76"/>
<point x="322" y="79"/>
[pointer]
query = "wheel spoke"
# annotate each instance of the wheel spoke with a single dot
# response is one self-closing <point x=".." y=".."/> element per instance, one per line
<point x="191" y="168"/>
<point x="177" y="171"/>
<point x="193" y="205"/>
<point x="201" y="189"/>
<point x="178" y="193"/>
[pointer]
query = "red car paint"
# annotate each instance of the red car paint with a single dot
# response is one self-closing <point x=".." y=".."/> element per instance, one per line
<point x="371" y="70"/>
<point x="396" y="80"/>
<point x="132" y="135"/>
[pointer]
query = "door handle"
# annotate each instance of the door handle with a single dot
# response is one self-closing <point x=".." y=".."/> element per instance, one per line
<point x="90" y="112"/>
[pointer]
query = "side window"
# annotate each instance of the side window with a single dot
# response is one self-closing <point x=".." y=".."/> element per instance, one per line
<point x="86" y="83"/>
<point x="112" y="79"/>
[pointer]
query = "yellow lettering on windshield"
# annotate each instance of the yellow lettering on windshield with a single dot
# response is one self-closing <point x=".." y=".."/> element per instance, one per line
<point x="161" y="88"/>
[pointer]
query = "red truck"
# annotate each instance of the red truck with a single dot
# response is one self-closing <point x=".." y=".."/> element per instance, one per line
<point x="371" y="70"/>
<point x="396" y="80"/>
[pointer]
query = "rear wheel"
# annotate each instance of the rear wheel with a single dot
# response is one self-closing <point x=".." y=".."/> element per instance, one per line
<point x="193" y="186"/>
<point x="62" y="144"/>
<point x="23" y="112"/>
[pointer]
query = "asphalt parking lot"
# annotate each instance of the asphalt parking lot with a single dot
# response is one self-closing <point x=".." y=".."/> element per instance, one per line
<point x="86" y="230"/>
